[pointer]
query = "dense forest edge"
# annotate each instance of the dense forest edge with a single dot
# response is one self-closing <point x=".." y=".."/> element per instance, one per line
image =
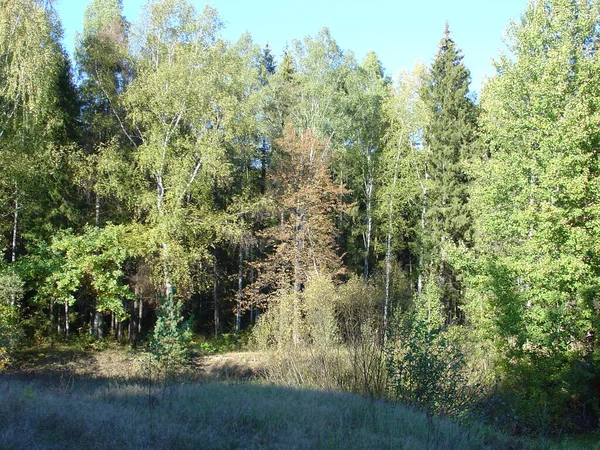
<point x="173" y="193"/>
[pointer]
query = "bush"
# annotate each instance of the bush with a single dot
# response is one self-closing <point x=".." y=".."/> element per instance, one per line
<point x="223" y="343"/>
<point x="300" y="333"/>
<point x="337" y="342"/>
<point x="427" y="369"/>
<point x="546" y="394"/>
<point x="358" y="311"/>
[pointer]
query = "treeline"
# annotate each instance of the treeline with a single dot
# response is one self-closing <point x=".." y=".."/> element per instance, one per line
<point x="446" y="248"/>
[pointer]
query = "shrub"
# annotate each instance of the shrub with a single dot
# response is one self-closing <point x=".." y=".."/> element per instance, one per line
<point x="301" y="335"/>
<point x="223" y="343"/>
<point x="427" y="369"/>
<point x="338" y="339"/>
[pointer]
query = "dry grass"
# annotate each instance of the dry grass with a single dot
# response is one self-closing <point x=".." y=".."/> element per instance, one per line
<point x="93" y="415"/>
<point x="120" y="364"/>
<point x="90" y="400"/>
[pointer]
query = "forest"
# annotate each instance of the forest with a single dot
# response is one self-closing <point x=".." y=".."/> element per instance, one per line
<point x="403" y="238"/>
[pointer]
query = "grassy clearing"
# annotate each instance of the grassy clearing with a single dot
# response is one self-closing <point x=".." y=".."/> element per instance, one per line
<point x="64" y="398"/>
<point x="104" y="414"/>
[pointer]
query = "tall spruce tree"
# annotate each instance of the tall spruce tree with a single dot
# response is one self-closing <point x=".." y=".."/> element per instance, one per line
<point x="448" y="138"/>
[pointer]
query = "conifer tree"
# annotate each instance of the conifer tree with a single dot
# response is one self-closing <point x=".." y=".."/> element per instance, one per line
<point x="448" y="138"/>
<point x="301" y="241"/>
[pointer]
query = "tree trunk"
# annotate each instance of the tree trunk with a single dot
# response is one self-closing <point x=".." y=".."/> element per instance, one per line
<point x="13" y="257"/>
<point x="58" y="330"/>
<point x="119" y="330"/>
<point x="160" y="195"/>
<point x="140" y="316"/>
<point x="97" y="210"/>
<point x="14" y="233"/>
<point x="422" y="243"/>
<point x="252" y="308"/>
<point x="66" y="320"/>
<point x="216" y="296"/>
<point x="297" y="280"/>
<point x="263" y="166"/>
<point x="369" y="184"/>
<point x="168" y="287"/>
<point x="388" y="247"/>
<point x="134" y="323"/>
<point x="238" y="311"/>
<point x="98" y="326"/>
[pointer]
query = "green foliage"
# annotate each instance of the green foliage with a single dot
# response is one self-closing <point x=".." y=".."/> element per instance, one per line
<point x="11" y="330"/>
<point x="300" y="333"/>
<point x="225" y="342"/>
<point x="448" y="137"/>
<point x="191" y="104"/>
<point x="92" y="261"/>
<point x="38" y="110"/>
<point x="193" y="143"/>
<point x="11" y="288"/>
<point x="427" y="369"/>
<point x="537" y="255"/>
<point x="171" y="337"/>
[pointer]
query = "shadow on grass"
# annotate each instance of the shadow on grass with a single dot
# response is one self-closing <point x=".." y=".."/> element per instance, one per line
<point x="103" y="413"/>
<point x="67" y="402"/>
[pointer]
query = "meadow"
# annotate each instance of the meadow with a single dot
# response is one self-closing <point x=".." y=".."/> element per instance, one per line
<point x="57" y="398"/>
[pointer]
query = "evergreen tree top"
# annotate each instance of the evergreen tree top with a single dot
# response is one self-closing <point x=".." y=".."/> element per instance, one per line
<point x="267" y="64"/>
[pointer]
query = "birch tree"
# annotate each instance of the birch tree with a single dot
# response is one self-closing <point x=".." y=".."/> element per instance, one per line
<point x="536" y="197"/>
<point x="367" y="89"/>
<point x="102" y="56"/>
<point x="185" y="106"/>
<point x="400" y="192"/>
<point x="36" y="110"/>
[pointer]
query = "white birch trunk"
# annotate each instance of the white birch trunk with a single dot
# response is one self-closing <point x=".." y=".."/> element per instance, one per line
<point x="422" y="243"/>
<point x="217" y="314"/>
<point x="66" y="320"/>
<point x="238" y="311"/>
<point x="97" y="222"/>
<point x="369" y="184"/>
<point x="388" y="246"/>
<point x="13" y="256"/>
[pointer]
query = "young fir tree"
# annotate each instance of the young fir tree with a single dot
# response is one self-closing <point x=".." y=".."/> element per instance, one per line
<point x="448" y="138"/>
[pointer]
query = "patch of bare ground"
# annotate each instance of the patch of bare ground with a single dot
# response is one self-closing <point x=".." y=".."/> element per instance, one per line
<point x="231" y="365"/>
<point x="121" y="363"/>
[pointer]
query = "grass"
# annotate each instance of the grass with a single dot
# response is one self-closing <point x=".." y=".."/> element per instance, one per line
<point x="95" y="400"/>
<point x="94" y="414"/>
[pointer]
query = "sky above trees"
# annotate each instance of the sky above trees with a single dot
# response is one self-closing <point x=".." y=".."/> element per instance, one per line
<point x="401" y="33"/>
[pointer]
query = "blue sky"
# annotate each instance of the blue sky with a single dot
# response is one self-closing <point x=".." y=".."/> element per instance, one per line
<point x="400" y="32"/>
